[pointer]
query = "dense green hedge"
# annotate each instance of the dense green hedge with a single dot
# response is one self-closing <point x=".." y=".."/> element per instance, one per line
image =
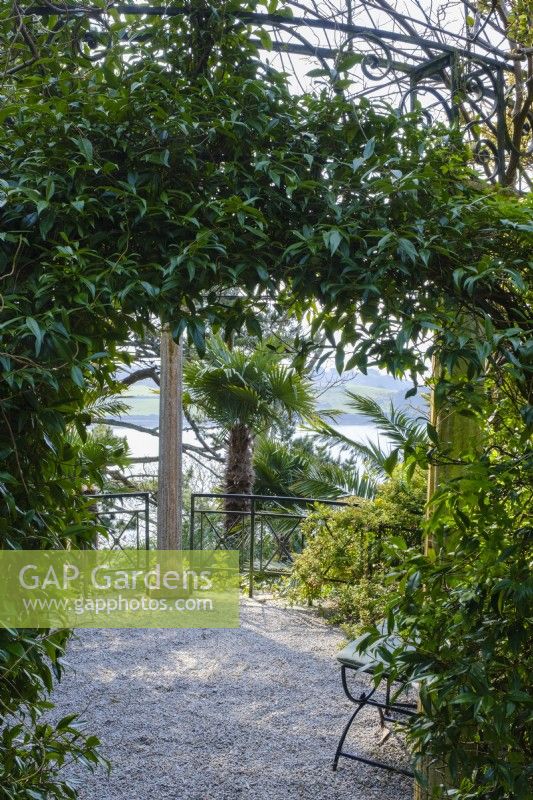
<point x="33" y="751"/>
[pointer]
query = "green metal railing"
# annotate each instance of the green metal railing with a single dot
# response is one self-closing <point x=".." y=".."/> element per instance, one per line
<point x="266" y="531"/>
<point x="126" y="518"/>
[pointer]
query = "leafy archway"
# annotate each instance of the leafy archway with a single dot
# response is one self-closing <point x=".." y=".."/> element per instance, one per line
<point x="188" y="182"/>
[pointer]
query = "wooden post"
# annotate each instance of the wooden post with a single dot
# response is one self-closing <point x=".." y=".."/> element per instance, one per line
<point x="170" y="476"/>
<point x="459" y="435"/>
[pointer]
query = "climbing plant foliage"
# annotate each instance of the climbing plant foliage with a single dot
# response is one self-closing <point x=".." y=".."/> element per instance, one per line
<point x="176" y="176"/>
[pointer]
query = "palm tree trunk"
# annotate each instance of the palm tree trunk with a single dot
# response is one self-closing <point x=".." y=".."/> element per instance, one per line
<point x="239" y="474"/>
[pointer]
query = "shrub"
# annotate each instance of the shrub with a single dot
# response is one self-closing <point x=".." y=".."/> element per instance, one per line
<point x="342" y="567"/>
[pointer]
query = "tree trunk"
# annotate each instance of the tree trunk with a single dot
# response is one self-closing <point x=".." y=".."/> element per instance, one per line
<point x="239" y="474"/>
<point x="170" y="474"/>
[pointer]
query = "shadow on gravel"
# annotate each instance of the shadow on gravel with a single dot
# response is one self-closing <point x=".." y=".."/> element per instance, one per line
<point x="214" y="715"/>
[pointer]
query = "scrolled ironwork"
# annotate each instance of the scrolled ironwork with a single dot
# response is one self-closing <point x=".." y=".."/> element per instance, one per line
<point x="454" y="68"/>
<point x="376" y="64"/>
<point x="433" y="110"/>
<point x="486" y="155"/>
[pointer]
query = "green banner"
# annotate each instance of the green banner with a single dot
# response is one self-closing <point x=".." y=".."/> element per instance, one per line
<point x="119" y="589"/>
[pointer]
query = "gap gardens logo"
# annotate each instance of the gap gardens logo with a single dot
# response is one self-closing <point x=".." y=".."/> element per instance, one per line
<point x="119" y="589"/>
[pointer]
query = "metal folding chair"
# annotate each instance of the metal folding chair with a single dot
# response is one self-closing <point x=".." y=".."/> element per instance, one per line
<point x="351" y="659"/>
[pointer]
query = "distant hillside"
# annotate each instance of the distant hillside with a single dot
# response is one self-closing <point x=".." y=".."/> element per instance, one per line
<point x="374" y="378"/>
<point x="143" y="397"/>
<point x="380" y="387"/>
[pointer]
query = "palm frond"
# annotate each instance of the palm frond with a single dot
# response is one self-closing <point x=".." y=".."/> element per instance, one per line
<point x="99" y="406"/>
<point x="277" y="465"/>
<point x="291" y="390"/>
<point x="100" y="449"/>
<point x="401" y="430"/>
<point x="396" y="425"/>
<point x="334" y="481"/>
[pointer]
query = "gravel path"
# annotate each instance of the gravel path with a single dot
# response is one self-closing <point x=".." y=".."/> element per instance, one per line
<point x="253" y="713"/>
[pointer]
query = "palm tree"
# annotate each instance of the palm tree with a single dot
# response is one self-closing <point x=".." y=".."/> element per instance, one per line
<point x="299" y="468"/>
<point x="246" y="393"/>
<point x="99" y="452"/>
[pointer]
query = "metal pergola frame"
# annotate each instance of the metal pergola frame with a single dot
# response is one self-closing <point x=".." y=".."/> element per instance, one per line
<point x="461" y="85"/>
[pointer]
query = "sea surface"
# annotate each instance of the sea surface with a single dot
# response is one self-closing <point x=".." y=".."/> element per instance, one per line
<point x="144" y="445"/>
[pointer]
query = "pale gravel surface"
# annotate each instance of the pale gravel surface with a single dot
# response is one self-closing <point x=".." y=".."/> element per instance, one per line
<point x="253" y="713"/>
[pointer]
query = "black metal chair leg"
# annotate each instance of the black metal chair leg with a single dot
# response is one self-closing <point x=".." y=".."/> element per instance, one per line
<point x="387" y="698"/>
<point x="344" y="734"/>
<point x="359" y="660"/>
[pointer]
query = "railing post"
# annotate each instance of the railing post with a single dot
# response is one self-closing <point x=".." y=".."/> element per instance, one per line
<point x="261" y="534"/>
<point x="147" y="521"/>
<point x="455" y="86"/>
<point x="252" y="539"/>
<point x="191" y="525"/>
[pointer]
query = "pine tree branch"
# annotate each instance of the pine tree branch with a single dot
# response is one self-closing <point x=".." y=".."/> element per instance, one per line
<point x="141" y="375"/>
<point x="118" y="423"/>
